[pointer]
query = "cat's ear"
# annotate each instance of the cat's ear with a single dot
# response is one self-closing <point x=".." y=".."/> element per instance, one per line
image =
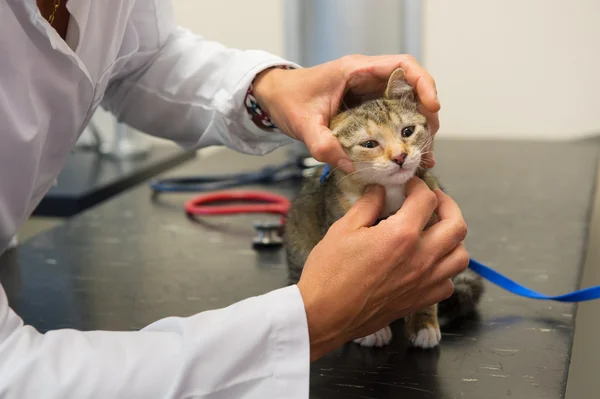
<point x="398" y="88"/>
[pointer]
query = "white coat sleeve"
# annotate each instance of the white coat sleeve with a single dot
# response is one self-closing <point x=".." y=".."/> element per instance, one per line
<point x="256" y="348"/>
<point x="185" y="88"/>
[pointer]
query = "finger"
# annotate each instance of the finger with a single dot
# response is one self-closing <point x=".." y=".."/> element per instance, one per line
<point x="433" y="123"/>
<point x="448" y="232"/>
<point x="439" y="292"/>
<point x="428" y="158"/>
<point x="434" y="219"/>
<point x="423" y="83"/>
<point x="416" y="76"/>
<point x="416" y="211"/>
<point x="379" y="68"/>
<point x="325" y="147"/>
<point x="432" y="295"/>
<point x="366" y="209"/>
<point x="450" y="265"/>
<point x="433" y="119"/>
<point x="426" y="90"/>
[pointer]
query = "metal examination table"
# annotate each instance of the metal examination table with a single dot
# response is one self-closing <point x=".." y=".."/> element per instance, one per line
<point x="131" y="260"/>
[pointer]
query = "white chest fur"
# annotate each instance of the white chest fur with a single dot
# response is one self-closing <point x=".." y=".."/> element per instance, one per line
<point x="394" y="198"/>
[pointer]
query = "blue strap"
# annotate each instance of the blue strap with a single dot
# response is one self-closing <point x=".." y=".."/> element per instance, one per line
<point x="504" y="282"/>
<point x="586" y="294"/>
<point x="325" y="173"/>
<point x="268" y="175"/>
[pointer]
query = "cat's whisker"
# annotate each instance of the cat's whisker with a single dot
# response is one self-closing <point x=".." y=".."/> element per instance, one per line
<point x="339" y="181"/>
<point x="344" y="104"/>
<point x="377" y="172"/>
<point x="425" y="145"/>
<point x="355" y="172"/>
<point x="316" y="209"/>
<point x="357" y="162"/>
<point x="429" y="140"/>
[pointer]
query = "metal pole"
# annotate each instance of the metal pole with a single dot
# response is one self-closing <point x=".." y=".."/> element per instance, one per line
<point x="319" y="31"/>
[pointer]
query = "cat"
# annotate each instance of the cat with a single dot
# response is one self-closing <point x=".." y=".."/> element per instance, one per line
<point x="385" y="139"/>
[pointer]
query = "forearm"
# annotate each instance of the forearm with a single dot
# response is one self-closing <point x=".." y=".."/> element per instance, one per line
<point x="193" y="92"/>
<point x="256" y="348"/>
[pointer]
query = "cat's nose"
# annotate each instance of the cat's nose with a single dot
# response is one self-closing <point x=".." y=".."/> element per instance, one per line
<point x="399" y="159"/>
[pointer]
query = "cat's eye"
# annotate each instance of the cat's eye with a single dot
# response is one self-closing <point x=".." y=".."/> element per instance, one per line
<point x="370" y="144"/>
<point x="408" y="131"/>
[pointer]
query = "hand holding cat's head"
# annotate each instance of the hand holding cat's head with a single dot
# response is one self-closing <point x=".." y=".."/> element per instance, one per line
<point x="385" y="138"/>
<point x="302" y="102"/>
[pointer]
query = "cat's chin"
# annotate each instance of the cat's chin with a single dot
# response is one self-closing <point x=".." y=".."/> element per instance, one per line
<point x="402" y="176"/>
<point x="394" y="177"/>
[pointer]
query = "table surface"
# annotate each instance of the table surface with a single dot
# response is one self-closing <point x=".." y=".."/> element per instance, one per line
<point x="89" y="178"/>
<point x="132" y="260"/>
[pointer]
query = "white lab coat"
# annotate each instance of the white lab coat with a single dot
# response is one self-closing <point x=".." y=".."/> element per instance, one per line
<point x="131" y="57"/>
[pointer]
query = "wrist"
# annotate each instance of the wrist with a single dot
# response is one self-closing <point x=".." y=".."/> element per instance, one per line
<point x="264" y="87"/>
<point x="259" y="97"/>
<point x="323" y="337"/>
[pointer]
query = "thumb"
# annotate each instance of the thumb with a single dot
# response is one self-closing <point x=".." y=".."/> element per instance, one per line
<point x="325" y="147"/>
<point x="366" y="209"/>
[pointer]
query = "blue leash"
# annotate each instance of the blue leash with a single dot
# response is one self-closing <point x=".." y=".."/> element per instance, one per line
<point x="267" y="175"/>
<point x="586" y="294"/>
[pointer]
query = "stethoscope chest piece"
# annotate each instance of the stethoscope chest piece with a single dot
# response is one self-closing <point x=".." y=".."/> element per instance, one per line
<point x="268" y="235"/>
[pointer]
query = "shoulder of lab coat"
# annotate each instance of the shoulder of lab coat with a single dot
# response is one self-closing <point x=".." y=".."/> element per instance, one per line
<point x="256" y="348"/>
<point x="179" y="86"/>
<point x="182" y="87"/>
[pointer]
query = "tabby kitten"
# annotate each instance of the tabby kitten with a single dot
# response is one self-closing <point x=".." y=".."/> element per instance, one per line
<point x="385" y="140"/>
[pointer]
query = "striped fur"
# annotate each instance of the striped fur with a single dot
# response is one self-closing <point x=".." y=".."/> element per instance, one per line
<point x="318" y="206"/>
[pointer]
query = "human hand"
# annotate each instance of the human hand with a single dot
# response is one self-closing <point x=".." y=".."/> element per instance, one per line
<point x="359" y="279"/>
<point x="302" y="102"/>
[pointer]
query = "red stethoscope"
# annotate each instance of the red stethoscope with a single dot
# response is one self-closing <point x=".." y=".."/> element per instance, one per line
<point x="268" y="235"/>
<point x="216" y="188"/>
<point x="245" y="201"/>
<point x="267" y="203"/>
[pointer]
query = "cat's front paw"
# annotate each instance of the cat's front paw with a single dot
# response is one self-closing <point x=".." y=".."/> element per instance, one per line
<point x="378" y="339"/>
<point x="428" y="337"/>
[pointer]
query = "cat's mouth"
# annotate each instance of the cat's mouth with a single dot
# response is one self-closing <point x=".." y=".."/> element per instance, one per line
<point x="403" y="170"/>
